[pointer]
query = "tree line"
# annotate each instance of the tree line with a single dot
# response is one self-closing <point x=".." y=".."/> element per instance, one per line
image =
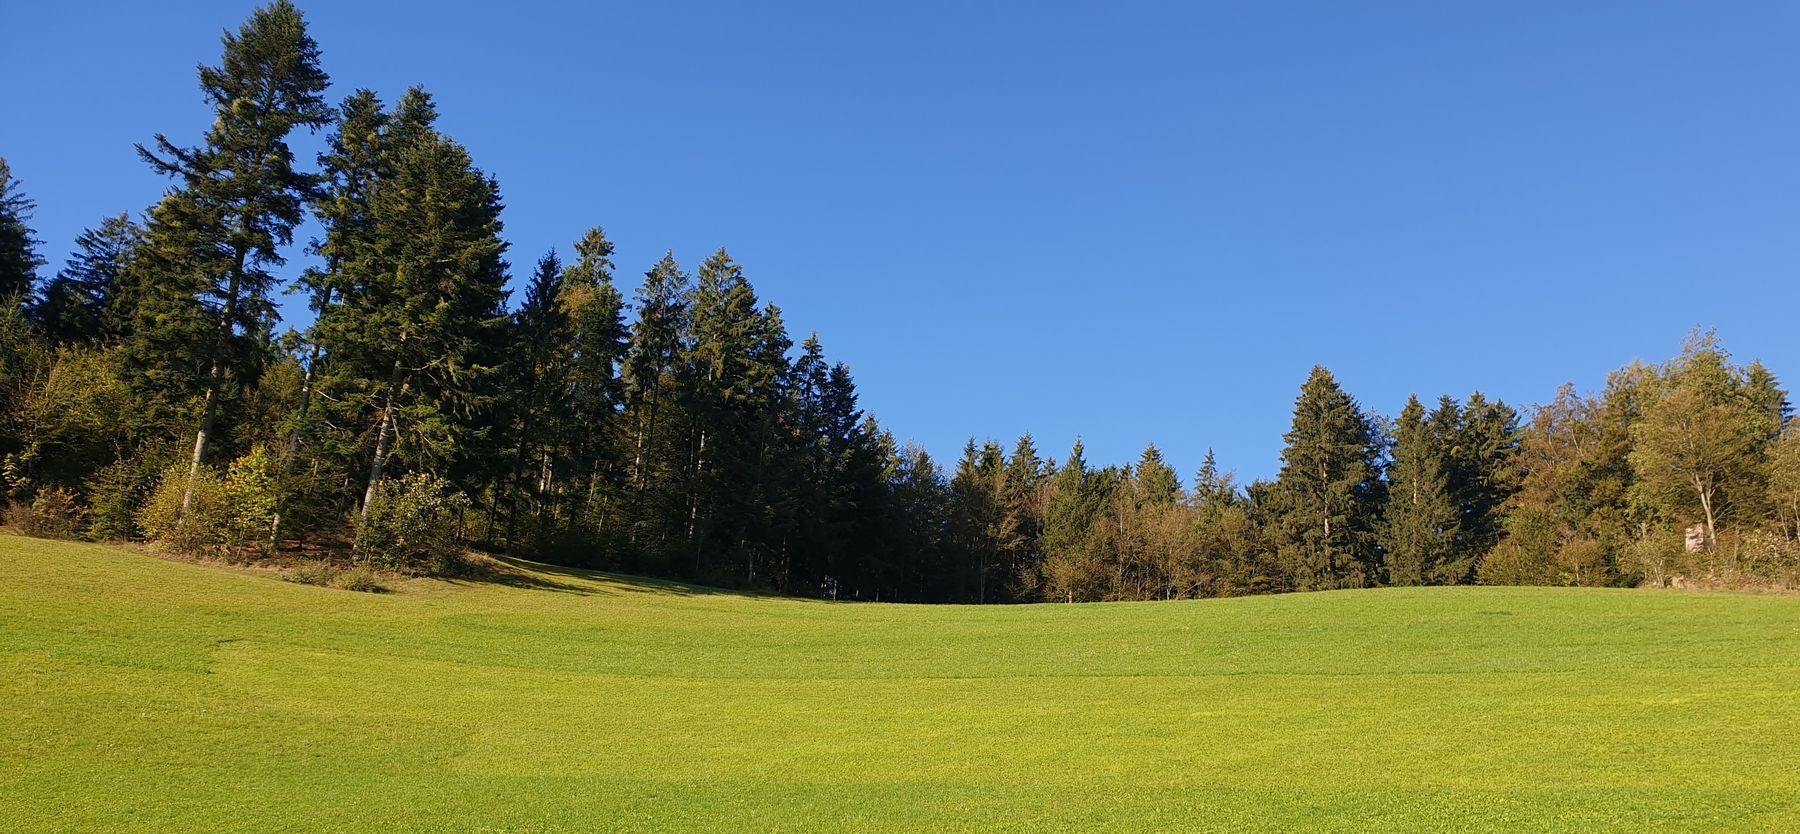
<point x="149" y="391"/>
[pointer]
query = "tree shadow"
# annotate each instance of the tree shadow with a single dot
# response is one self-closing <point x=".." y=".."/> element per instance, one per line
<point x="517" y="573"/>
<point x="527" y="573"/>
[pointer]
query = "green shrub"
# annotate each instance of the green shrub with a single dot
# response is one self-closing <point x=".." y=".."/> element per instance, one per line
<point x="119" y="491"/>
<point x="312" y="573"/>
<point x="361" y="578"/>
<point x="203" y="529"/>
<point x="226" y="512"/>
<point x="54" y="514"/>
<point x="413" y="525"/>
<point x="252" y="497"/>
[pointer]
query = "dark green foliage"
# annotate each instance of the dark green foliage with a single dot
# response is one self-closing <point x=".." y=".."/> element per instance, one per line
<point x="200" y="283"/>
<point x="683" y="434"/>
<point x="1327" y="499"/>
<point x="81" y="304"/>
<point x="19" y="259"/>
<point x="1420" y="528"/>
<point x="411" y="346"/>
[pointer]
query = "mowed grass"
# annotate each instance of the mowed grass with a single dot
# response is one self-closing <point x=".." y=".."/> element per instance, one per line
<point x="138" y="694"/>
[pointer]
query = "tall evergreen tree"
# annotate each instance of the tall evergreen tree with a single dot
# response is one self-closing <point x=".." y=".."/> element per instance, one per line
<point x="354" y="161"/>
<point x="1480" y="443"/>
<point x="1327" y="496"/>
<point x="19" y="259"/>
<point x="734" y="369"/>
<point x="536" y="371"/>
<point x="595" y="395"/>
<point x="214" y="238"/>
<point x="420" y="306"/>
<point x="1419" y="529"/>
<point x="81" y="304"/>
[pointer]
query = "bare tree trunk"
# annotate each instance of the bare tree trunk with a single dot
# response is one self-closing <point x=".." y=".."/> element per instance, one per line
<point x="384" y="439"/>
<point x="215" y="377"/>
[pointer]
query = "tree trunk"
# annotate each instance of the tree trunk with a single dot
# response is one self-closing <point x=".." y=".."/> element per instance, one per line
<point x="214" y="378"/>
<point x="384" y="434"/>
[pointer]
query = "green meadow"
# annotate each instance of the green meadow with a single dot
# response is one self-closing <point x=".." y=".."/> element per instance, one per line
<point x="139" y="694"/>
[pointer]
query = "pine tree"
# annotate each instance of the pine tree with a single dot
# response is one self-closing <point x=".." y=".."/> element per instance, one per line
<point x="594" y="309"/>
<point x="733" y="370"/>
<point x="1327" y="496"/>
<point x="1026" y="477"/>
<point x="205" y="280"/>
<point x="657" y="449"/>
<point x="1157" y="483"/>
<point x="1480" y="443"/>
<point x="410" y="342"/>
<point x="1419" y="529"/>
<point x="19" y="259"/>
<point x="1073" y="505"/>
<point x="82" y="303"/>
<point x="350" y="167"/>
<point x="536" y="372"/>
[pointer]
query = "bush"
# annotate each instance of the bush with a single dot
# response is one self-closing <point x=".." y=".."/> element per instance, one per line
<point x="362" y="578"/>
<point x="312" y="573"/>
<point x="54" y="514"/>
<point x="203" y="529"/>
<point x="252" y="498"/>
<point x="118" y="492"/>
<point x="413" y="525"/>
<point x="225" y="514"/>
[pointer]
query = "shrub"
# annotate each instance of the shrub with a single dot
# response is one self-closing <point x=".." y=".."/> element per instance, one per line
<point x="225" y="514"/>
<point x="118" y="492"/>
<point x="203" y="529"/>
<point x="54" y="514"/>
<point x="252" y="498"/>
<point x="361" y="578"/>
<point x="413" y="525"/>
<point x="312" y="573"/>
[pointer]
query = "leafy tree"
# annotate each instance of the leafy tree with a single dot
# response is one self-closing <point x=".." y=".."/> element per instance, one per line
<point x="1784" y="480"/>
<point x="1698" y="449"/>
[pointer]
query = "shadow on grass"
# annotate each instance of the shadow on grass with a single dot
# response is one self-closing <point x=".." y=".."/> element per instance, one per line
<point x="524" y="573"/>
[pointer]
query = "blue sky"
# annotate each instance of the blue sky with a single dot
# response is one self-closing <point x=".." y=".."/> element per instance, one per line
<point x="1131" y="222"/>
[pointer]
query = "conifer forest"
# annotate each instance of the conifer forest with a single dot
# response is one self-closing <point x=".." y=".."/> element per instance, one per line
<point x="149" y="391"/>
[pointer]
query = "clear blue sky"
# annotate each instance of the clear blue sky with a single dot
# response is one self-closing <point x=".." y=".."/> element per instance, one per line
<point x="1129" y="222"/>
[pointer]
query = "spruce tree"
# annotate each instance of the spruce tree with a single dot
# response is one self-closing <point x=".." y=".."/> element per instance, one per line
<point x="205" y="278"/>
<point x="594" y="309"/>
<point x="410" y="342"/>
<point x="1070" y="510"/>
<point x="1480" y="441"/>
<point x="1327" y="497"/>
<point x="19" y="259"/>
<point x="83" y="302"/>
<point x="1157" y="483"/>
<point x="1420" y="526"/>
<point x="733" y="370"/>
<point x="656" y="445"/>
<point x="536" y="375"/>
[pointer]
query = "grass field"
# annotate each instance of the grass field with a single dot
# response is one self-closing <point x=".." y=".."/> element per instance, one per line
<point x="138" y="694"/>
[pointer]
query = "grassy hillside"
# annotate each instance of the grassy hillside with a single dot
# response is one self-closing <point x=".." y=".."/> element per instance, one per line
<point x="143" y="695"/>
